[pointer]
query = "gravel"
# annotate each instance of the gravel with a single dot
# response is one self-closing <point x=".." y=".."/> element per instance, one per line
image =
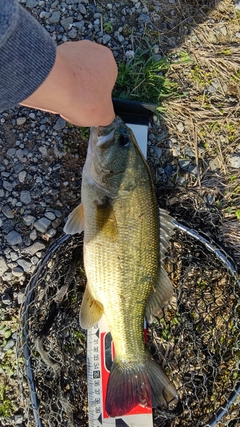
<point x="41" y="156"/>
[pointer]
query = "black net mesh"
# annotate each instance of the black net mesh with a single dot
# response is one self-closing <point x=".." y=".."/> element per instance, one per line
<point x="196" y="340"/>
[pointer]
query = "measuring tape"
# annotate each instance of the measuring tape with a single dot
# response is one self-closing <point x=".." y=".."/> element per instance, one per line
<point x="100" y="354"/>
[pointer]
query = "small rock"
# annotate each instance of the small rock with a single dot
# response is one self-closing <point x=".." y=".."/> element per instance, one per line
<point x="36" y="247"/>
<point x="180" y="127"/>
<point x="50" y="215"/>
<point x="66" y="22"/>
<point x="60" y="124"/>
<point x="8" y="277"/>
<point x="106" y="38"/>
<point x="14" y="238"/>
<point x="33" y="235"/>
<point x="82" y="9"/>
<point x="25" y="197"/>
<point x="29" y="219"/>
<point x="56" y="222"/>
<point x="214" y="164"/>
<point x="55" y="17"/>
<point x="21" y="155"/>
<point x="14" y="335"/>
<point x="58" y="213"/>
<point x="51" y="233"/>
<point x="18" y="167"/>
<point x="223" y="30"/>
<point x="72" y="33"/>
<point x="42" y="224"/>
<point x="21" y="176"/>
<point x="237" y="5"/>
<point x="169" y="170"/>
<point x="3" y="266"/>
<point x="14" y="256"/>
<point x="8" y="186"/>
<point x="182" y="180"/>
<point x="157" y="151"/>
<point x="129" y="54"/>
<point x="79" y="25"/>
<point x="26" y="265"/>
<point x="10" y="344"/>
<point x="189" y="152"/>
<point x="17" y="271"/>
<point x="7" y="211"/>
<point x="21" y="121"/>
<point x="43" y="151"/>
<point x="44" y="15"/>
<point x="144" y="17"/>
<point x="21" y="297"/>
<point x="176" y="150"/>
<point x="35" y="259"/>
<point x="6" y="299"/>
<point x="184" y="164"/>
<point x="18" y="419"/>
<point x="193" y="170"/>
<point x="31" y="3"/>
<point x="235" y="161"/>
<point x="11" y="152"/>
<point x="212" y="89"/>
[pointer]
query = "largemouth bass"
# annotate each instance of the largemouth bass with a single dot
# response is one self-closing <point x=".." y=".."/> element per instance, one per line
<point x="124" y="240"/>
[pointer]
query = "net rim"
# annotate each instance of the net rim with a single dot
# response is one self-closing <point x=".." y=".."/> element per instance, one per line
<point x="219" y="253"/>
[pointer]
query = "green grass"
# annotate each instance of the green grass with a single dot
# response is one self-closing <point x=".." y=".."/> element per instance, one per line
<point x="144" y="78"/>
<point x="6" y="405"/>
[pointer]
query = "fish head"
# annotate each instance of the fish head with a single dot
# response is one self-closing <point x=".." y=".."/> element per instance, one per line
<point x="114" y="161"/>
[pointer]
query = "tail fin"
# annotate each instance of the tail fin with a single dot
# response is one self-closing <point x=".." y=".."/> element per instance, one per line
<point x="131" y="384"/>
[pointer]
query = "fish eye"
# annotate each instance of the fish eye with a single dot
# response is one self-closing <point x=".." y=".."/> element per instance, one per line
<point x="123" y="140"/>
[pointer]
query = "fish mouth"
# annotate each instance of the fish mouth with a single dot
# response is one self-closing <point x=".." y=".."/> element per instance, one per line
<point x="105" y="134"/>
<point x="103" y="139"/>
<point x="106" y="130"/>
<point x="101" y="136"/>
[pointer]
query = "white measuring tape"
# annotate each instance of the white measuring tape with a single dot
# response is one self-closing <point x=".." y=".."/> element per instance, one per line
<point x="100" y="354"/>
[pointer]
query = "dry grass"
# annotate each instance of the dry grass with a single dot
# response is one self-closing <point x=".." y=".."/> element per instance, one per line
<point x="209" y="106"/>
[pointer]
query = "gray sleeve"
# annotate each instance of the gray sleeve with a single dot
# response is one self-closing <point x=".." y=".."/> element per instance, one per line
<point x="27" y="54"/>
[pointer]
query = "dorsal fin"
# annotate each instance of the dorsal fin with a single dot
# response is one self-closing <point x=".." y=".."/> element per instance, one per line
<point x="166" y="231"/>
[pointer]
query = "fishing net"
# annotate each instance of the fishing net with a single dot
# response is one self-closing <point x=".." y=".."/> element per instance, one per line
<point x="196" y="341"/>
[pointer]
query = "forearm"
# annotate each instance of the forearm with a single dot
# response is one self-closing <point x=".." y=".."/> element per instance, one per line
<point x="27" y="54"/>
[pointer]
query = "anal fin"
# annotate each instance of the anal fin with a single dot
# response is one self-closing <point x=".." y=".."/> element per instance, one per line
<point x="91" y="310"/>
<point x="161" y="293"/>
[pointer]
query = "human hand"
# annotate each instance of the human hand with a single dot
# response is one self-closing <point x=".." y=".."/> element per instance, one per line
<point x="79" y="86"/>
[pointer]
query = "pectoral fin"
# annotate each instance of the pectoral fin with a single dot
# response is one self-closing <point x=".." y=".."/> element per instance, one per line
<point x="162" y="293"/>
<point x="91" y="310"/>
<point x="105" y="219"/>
<point x="75" y="222"/>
